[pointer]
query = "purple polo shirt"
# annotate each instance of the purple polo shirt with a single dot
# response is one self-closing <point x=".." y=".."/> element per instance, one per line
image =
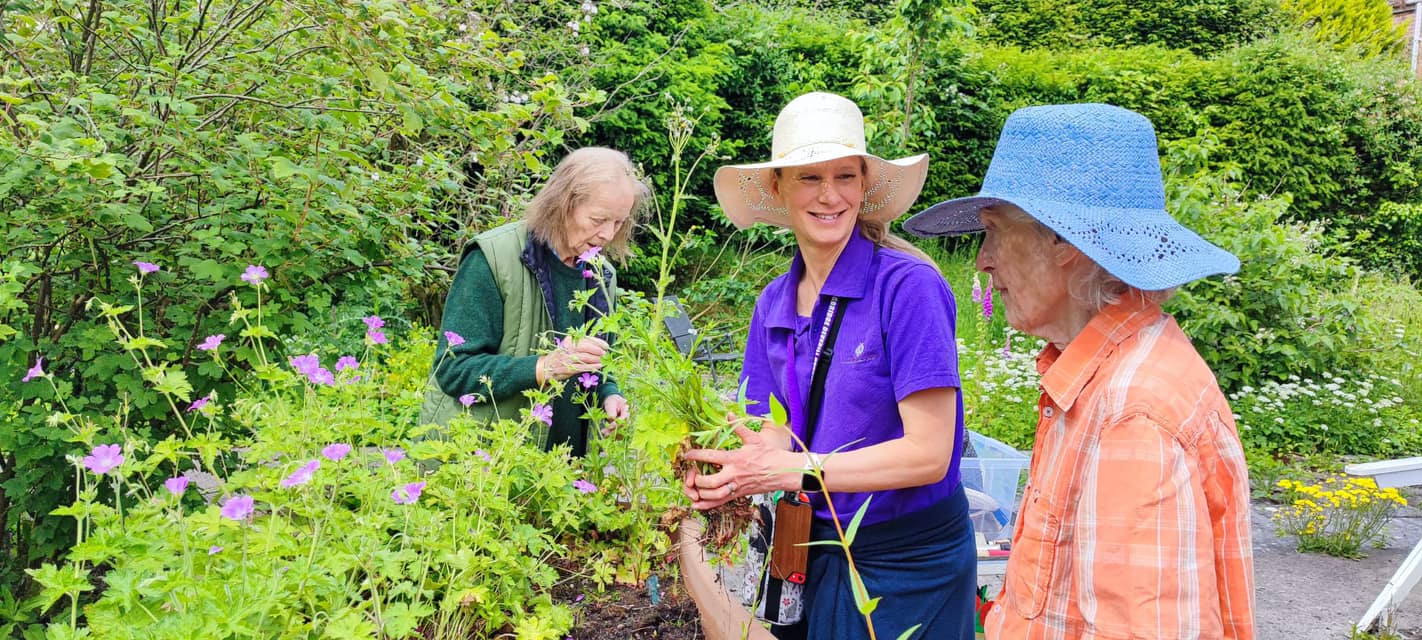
<point x="897" y="336"/>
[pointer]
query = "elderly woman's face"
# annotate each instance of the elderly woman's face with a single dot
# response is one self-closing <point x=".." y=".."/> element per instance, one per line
<point x="1025" y="276"/>
<point x="823" y="199"/>
<point x="597" y="219"/>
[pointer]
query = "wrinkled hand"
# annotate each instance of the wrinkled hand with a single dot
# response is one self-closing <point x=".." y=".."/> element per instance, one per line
<point x="755" y="467"/>
<point x="572" y="358"/>
<point x="617" y="410"/>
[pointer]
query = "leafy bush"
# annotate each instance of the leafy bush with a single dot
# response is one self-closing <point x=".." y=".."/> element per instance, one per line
<point x="1364" y="25"/>
<point x="327" y="141"/>
<point x="1203" y="27"/>
<point x="329" y="511"/>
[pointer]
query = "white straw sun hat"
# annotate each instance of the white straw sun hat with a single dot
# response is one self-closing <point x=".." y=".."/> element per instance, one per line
<point x="817" y="127"/>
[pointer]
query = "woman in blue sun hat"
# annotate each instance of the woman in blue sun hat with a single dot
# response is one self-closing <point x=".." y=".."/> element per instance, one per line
<point x="885" y="433"/>
<point x="1135" y="518"/>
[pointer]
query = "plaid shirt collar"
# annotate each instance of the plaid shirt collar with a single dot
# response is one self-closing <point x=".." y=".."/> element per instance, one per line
<point x="1065" y="373"/>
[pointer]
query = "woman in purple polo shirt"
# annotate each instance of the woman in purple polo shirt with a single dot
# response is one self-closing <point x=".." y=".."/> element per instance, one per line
<point x="891" y="408"/>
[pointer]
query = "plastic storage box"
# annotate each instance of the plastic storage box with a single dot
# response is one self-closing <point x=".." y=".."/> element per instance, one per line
<point x="999" y="471"/>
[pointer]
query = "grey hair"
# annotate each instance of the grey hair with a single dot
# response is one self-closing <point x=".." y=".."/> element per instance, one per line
<point x="573" y="181"/>
<point x="1092" y="286"/>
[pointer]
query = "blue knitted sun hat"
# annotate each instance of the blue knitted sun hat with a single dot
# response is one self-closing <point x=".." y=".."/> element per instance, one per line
<point x="1091" y="173"/>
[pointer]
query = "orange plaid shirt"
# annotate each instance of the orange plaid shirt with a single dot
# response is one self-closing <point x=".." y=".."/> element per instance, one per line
<point x="1135" y="518"/>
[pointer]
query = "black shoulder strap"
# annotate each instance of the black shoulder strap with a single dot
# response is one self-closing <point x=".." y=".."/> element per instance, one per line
<point x="817" y="378"/>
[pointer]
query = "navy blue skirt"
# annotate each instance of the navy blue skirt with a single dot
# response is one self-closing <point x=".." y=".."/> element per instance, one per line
<point x="922" y="567"/>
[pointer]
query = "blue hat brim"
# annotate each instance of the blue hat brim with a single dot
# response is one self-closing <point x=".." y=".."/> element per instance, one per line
<point x="1145" y="248"/>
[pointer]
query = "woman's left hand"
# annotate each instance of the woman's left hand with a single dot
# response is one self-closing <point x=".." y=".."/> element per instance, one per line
<point x="758" y="466"/>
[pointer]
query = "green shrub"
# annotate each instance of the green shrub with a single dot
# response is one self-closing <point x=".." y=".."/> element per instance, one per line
<point x="325" y="141"/>
<point x="1203" y="27"/>
<point x="1364" y="25"/>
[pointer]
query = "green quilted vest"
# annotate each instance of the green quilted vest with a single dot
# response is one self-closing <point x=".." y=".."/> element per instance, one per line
<point x="526" y="319"/>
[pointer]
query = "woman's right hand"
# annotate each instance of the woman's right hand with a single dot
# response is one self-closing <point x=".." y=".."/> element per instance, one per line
<point x="572" y="358"/>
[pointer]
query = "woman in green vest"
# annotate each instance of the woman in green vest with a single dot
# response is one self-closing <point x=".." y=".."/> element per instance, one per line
<point x="513" y="290"/>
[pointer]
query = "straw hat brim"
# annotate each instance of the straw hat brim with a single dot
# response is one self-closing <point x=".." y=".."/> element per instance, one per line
<point x="1145" y="248"/>
<point x="744" y="190"/>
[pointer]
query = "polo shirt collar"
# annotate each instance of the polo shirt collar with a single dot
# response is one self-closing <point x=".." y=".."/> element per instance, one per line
<point x="1065" y="373"/>
<point x="848" y="279"/>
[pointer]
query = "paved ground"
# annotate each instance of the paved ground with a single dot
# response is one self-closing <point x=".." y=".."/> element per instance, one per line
<point x="1303" y="596"/>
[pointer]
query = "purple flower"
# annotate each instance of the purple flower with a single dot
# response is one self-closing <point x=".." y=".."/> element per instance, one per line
<point x="322" y="375"/>
<point x="468" y="399"/>
<point x="588" y="273"/>
<point x="302" y="475"/>
<point x="407" y="494"/>
<point x="214" y="550"/>
<point x="237" y="507"/>
<point x="584" y="486"/>
<point x="987" y="299"/>
<point x="543" y="413"/>
<point x="483" y="454"/>
<point x="375" y="336"/>
<point x="145" y="268"/>
<point x="212" y="342"/>
<point x="1007" y="351"/>
<point x="36" y="371"/>
<point x="199" y="403"/>
<point x="588" y="380"/>
<point x="588" y="255"/>
<point x="335" y="452"/>
<point x="373" y="322"/>
<point x="307" y="364"/>
<point x="104" y="458"/>
<point x="176" y="485"/>
<point x="254" y="274"/>
<point x="977" y="289"/>
<point x="393" y="455"/>
<point x="453" y="338"/>
<point x="347" y="362"/>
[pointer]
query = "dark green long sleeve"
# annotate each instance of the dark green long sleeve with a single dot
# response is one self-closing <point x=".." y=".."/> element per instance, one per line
<point x="474" y="310"/>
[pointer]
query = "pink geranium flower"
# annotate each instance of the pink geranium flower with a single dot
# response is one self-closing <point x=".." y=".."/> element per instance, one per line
<point x="347" y="362"/>
<point x="335" y="452"/>
<point x="376" y="336"/>
<point x="254" y="274"/>
<point x="212" y="342"/>
<point x="302" y="475"/>
<point x="237" y="507"/>
<point x="36" y="371"/>
<point x="588" y="380"/>
<point x="407" y="494"/>
<point x="588" y="255"/>
<point x="145" y="268"/>
<point x="200" y="403"/>
<point x="393" y="456"/>
<point x="453" y="338"/>
<point x="584" y="486"/>
<point x="104" y="458"/>
<point x="176" y="485"/>
<point x="468" y="399"/>
<point x="543" y="413"/>
<point x="373" y="322"/>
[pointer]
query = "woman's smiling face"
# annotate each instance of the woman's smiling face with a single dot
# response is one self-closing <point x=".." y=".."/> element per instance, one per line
<point x="822" y="200"/>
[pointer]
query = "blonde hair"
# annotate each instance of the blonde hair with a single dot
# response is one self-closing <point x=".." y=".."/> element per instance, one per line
<point x="877" y="232"/>
<point x="574" y="179"/>
<point x="1092" y="286"/>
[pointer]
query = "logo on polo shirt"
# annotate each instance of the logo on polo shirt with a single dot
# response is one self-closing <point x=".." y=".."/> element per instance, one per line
<point x="859" y="350"/>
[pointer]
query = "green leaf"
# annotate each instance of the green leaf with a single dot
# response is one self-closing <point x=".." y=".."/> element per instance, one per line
<point x="909" y="632"/>
<point x="379" y="82"/>
<point x="141" y="343"/>
<point x="854" y="524"/>
<point x="777" y="411"/>
<point x="57" y="583"/>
